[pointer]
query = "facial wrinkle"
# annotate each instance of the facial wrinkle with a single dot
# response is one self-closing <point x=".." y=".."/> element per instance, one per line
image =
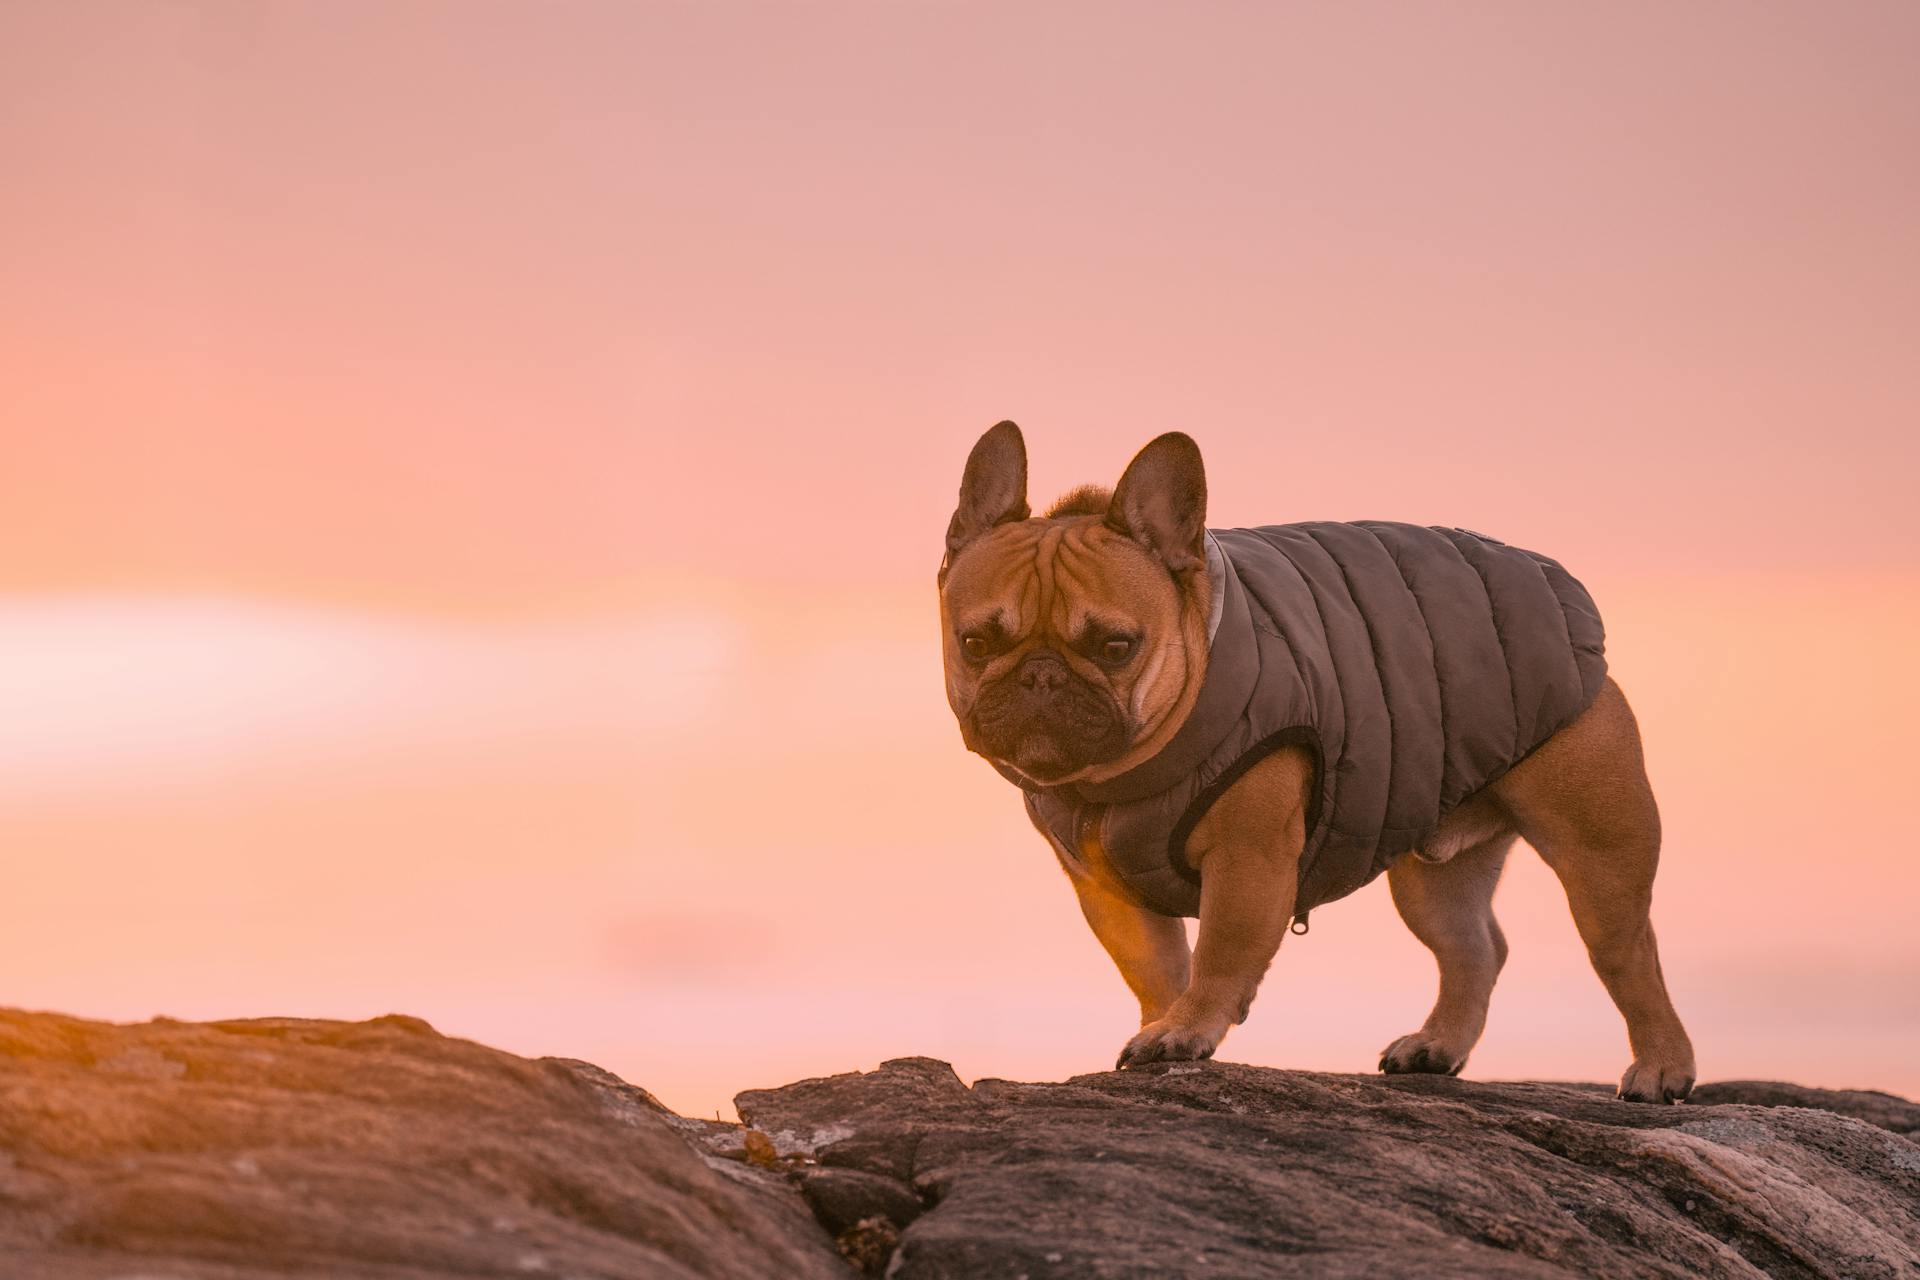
<point x="1066" y="577"/>
<point x="1043" y="566"/>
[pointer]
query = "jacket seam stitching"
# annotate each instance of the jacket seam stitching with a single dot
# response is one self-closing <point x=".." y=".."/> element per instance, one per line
<point x="1373" y="646"/>
<point x="1433" y="650"/>
<point x="1499" y="635"/>
<point x="1566" y="626"/>
<point x="1330" y="768"/>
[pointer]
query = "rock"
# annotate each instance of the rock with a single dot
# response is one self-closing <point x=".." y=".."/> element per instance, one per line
<point x="280" y="1147"/>
<point x="275" y="1147"/>
<point x="1218" y="1169"/>
<point x="1883" y="1109"/>
<point x="843" y="1198"/>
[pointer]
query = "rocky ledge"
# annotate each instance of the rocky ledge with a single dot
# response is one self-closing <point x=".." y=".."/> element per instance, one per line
<point x="281" y="1147"/>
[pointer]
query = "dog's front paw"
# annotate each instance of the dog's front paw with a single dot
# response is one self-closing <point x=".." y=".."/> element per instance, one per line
<point x="1420" y="1053"/>
<point x="1653" y="1082"/>
<point x="1174" y="1038"/>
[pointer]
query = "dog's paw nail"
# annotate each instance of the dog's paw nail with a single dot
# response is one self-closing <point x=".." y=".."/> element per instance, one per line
<point x="1413" y="1055"/>
<point x="1648" y="1083"/>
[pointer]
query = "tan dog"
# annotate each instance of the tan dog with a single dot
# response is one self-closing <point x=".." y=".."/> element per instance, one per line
<point x="1077" y="646"/>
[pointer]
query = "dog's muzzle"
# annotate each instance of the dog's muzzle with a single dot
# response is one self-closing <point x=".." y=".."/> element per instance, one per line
<point x="1046" y="721"/>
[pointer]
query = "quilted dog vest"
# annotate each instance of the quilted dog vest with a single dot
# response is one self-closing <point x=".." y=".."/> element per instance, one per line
<point x="1416" y="664"/>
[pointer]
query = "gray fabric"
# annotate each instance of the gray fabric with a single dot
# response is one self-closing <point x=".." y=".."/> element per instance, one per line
<point x="1216" y="570"/>
<point x="1417" y="664"/>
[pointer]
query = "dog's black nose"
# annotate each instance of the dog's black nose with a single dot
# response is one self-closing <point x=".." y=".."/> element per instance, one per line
<point x="1043" y="672"/>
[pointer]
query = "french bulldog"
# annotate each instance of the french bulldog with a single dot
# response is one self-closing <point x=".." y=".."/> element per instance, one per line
<point x="1243" y="724"/>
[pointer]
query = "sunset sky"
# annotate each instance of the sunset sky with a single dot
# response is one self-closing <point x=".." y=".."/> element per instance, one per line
<point x="472" y="475"/>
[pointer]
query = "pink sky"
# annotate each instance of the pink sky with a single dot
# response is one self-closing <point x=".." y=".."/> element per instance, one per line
<point x="472" y="476"/>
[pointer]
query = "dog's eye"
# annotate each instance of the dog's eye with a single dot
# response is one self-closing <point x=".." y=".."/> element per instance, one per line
<point x="975" y="646"/>
<point x="1118" y="649"/>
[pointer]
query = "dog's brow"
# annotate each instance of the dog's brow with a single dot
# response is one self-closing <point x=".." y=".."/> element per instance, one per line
<point x="1095" y="624"/>
<point x="1001" y="619"/>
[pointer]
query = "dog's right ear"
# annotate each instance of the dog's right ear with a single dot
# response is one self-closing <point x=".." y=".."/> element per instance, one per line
<point x="993" y="489"/>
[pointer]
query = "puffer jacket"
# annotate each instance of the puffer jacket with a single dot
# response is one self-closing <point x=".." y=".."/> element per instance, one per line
<point x="1416" y="664"/>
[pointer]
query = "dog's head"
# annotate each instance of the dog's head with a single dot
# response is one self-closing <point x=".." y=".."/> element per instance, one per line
<point x="1075" y="642"/>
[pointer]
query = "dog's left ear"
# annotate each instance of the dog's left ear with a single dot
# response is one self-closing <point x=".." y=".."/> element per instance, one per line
<point x="1161" y="502"/>
<point x="993" y="488"/>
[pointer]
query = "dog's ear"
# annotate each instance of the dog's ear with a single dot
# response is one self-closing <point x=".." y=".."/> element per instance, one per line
<point x="1161" y="502"/>
<point x="993" y="488"/>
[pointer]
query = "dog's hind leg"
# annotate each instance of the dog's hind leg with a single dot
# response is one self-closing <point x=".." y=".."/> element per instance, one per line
<point x="1449" y="907"/>
<point x="1583" y="801"/>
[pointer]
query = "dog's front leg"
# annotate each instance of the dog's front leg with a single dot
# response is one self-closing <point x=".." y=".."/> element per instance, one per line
<point x="1247" y="850"/>
<point x="1150" y="950"/>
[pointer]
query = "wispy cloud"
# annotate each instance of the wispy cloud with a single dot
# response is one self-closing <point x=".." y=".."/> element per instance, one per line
<point x="118" y="690"/>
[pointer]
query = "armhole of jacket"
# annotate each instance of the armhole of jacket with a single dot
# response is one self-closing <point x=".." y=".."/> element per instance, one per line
<point x="1295" y="735"/>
